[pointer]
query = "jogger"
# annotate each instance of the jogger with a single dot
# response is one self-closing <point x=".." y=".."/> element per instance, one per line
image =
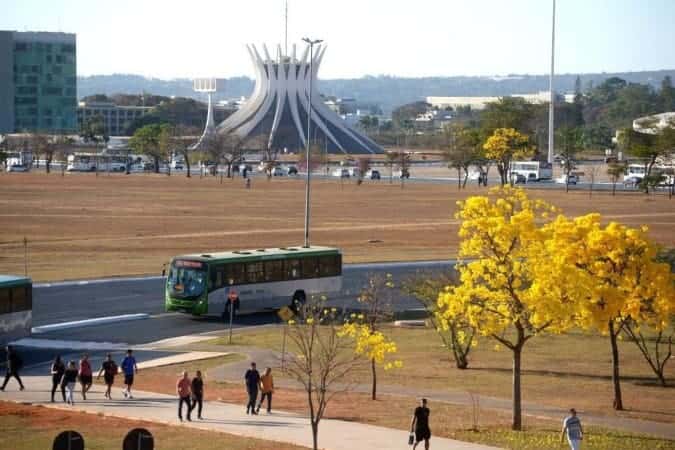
<point x="109" y="370"/>
<point x="68" y="383"/>
<point x="85" y="375"/>
<point x="266" y="389"/>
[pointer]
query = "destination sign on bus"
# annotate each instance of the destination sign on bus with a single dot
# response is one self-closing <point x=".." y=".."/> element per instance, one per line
<point x="190" y="264"/>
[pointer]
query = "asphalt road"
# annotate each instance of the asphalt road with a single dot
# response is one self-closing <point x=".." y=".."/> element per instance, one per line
<point x="63" y="302"/>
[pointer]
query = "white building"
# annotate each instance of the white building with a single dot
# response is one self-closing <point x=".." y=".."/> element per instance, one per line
<point x="479" y="103"/>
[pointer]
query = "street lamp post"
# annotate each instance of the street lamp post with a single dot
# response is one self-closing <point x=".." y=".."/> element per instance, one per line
<point x="309" y="124"/>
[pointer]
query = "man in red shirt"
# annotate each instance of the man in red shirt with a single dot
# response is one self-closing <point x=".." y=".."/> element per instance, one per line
<point x="184" y="391"/>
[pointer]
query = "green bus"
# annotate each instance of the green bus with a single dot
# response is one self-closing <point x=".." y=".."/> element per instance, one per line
<point x="16" y="307"/>
<point x="265" y="278"/>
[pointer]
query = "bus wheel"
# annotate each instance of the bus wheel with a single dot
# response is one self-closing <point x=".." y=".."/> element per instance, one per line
<point x="299" y="299"/>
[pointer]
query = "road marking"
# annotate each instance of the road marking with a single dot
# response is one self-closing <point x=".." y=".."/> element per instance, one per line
<point x="88" y="322"/>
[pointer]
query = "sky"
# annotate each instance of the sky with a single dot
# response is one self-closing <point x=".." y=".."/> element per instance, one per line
<point x="197" y="38"/>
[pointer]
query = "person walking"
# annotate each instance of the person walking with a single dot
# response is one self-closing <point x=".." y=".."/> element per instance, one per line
<point x="129" y="368"/>
<point x="572" y="428"/>
<point x="85" y="375"/>
<point x="58" y="368"/>
<point x="183" y="391"/>
<point x="68" y="383"/>
<point x="252" y="378"/>
<point x="109" y="370"/>
<point x="14" y="365"/>
<point x="198" y="393"/>
<point x="420" y="425"/>
<point x="266" y="389"/>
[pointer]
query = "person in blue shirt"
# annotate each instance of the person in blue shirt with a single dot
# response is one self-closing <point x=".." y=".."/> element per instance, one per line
<point x="129" y="368"/>
<point x="572" y="427"/>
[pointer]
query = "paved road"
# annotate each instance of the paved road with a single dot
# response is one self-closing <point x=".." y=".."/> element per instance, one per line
<point x="62" y="302"/>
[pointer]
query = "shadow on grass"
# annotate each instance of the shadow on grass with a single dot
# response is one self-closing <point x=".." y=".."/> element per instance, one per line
<point x="640" y="381"/>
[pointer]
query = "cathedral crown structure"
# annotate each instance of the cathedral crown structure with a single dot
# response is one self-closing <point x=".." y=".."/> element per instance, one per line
<point x="277" y="109"/>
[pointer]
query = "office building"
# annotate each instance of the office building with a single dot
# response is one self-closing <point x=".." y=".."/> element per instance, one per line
<point x="38" y="82"/>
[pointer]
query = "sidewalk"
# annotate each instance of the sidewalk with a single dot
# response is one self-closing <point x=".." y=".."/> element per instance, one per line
<point x="266" y="357"/>
<point x="229" y="418"/>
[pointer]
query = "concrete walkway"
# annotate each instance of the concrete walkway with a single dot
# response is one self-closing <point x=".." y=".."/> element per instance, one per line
<point x="266" y="357"/>
<point x="229" y="418"/>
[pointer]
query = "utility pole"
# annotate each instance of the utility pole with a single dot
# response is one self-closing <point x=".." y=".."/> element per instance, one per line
<point x="309" y="124"/>
<point x="551" y="106"/>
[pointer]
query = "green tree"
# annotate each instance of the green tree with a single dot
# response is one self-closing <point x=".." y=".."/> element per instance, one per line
<point x="615" y="171"/>
<point x="667" y="95"/>
<point x="570" y="142"/>
<point x="461" y="148"/>
<point x="148" y="140"/>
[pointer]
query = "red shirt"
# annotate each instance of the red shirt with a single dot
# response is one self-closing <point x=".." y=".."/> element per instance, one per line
<point x="183" y="387"/>
<point x="85" y="368"/>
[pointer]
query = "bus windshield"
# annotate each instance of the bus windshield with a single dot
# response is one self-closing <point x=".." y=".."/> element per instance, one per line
<point x="186" y="282"/>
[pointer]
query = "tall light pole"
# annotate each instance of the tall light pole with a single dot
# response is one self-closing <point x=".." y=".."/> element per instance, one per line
<point x="311" y="44"/>
<point x="550" y="87"/>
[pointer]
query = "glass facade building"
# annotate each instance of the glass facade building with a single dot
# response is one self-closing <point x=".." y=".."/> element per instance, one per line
<point x="43" y="84"/>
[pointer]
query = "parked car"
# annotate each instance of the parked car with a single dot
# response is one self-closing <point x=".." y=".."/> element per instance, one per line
<point x="518" y="178"/>
<point x="292" y="170"/>
<point x="17" y="168"/>
<point x="278" y="172"/>
<point x="342" y="173"/>
<point x="404" y="173"/>
<point x="373" y="174"/>
<point x="573" y="179"/>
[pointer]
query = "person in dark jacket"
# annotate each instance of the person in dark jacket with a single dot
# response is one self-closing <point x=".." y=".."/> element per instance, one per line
<point x="198" y="393"/>
<point x="420" y="425"/>
<point x="252" y="378"/>
<point x="14" y="365"/>
<point x="58" y="368"/>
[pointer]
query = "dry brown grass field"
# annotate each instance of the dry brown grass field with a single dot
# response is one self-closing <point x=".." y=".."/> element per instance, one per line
<point x="83" y="226"/>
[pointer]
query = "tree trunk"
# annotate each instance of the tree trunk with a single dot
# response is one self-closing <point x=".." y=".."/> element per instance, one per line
<point x="616" y="381"/>
<point x="613" y="189"/>
<point x="517" y="408"/>
<point x="459" y="179"/>
<point x="156" y="165"/>
<point x="315" y="435"/>
<point x="48" y="164"/>
<point x="187" y="166"/>
<point x="374" y="371"/>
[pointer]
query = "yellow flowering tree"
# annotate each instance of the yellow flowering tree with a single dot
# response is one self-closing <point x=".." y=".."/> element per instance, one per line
<point x="623" y="286"/>
<point x="503" y="293"/>
<point x="375" y="297"/>
<point x="503" y="146"/>
<point x="327" y="348"/>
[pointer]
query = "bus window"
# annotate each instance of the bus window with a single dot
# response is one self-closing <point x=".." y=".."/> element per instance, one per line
<point x="274" y="270"/>
<point x="235" y="273"/>
<point x="5" y="304"/>
<point x="217" y="277"/>
<point x="254" y="272"/>
<point x="329" y="265"/>
<point x="310" y="267"/>
<point x="20" y="299"/>
<point x="292" y="269"/>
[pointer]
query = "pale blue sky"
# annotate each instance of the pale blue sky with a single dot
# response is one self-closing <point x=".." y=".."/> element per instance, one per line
<point x="171" y="38"/>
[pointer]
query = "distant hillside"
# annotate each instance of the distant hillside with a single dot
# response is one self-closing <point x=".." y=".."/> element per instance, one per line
<point x="387" y="91"/>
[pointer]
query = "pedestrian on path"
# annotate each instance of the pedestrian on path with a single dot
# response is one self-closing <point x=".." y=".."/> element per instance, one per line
<point x="109" y="370"/>
<point x="69" y="380"/>
<point x="129" y="368"/>
<point x="252" y="378"/>
<point x="183" y="391"/>
<point x="58" y="368"/>
<point x="14" y="365"/>
<point x="266" y="389"/>
<point x="85" y="375"/>
<point x="572" y="428"/>
<point x="420" y="425"/>
<point x="198" y="393"/>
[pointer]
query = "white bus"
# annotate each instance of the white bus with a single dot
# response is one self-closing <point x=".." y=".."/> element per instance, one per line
<point x="265" y="278"/>
<point x="89" y="162"/>
<point x="532" y="170"/>
<point x="16" y="307"/>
